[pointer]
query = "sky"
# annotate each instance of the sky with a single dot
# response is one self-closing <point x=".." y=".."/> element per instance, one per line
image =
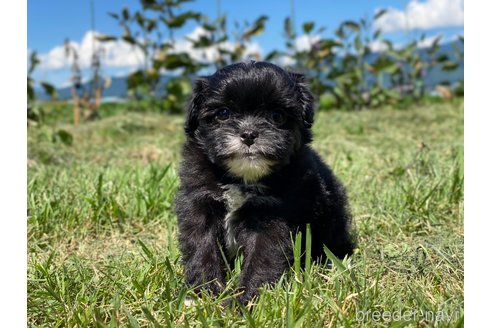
<point x="50" y="22"/>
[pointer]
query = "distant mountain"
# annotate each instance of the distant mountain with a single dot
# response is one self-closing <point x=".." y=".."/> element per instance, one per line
<point x="117" y="89"/>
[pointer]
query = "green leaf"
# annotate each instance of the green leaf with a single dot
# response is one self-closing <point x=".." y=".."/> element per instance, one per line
<point x="340" y="32"/>
<point x="384" y="63"/>
<point x="308" y="27"/>
<point x="389" y="44"/>
<point x="288" y="29"/>
<point x="30" y="90"/>
<point x="351" y="25"/>
<point x="329" y="44"/>
<point x="380" y="13"/>
<point x="436" y="41"/>
<point x="147" y="4"/>
<point x="442" y="58"/>
<point x="49" y="89"/>
<point x="257" y="28"/>
<point x="178" y="60"/>
<point x="273" y="55"/>
<point x="176" y="3"/>
<point x="114" y="15"/>
<point x="202" y="42"/>
<point x="151" y="24"/>
<point x="140" y="19"/>
<point x="64" y="137"/>
<point x="135" y="79"/>
<point x="209" y="27"/>
<point x="105" y="38"/>
<point x="34" y="61"/>
<point x="125" y="14"/>
<point x="180" y="20"/>
<point x="129" y="39"/>
<point x="450" y="66"/>
<point x="377" y="34"/>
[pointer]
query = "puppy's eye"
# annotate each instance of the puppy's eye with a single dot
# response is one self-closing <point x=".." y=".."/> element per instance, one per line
<point x="223" y="115"/>
<point x="278" y="118"/>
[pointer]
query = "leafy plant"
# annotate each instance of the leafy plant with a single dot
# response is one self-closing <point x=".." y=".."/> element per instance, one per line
<point x="345" y="71"/>
<point x="151" y="31"/>
<point x="340" y="70"/>
<point x="348" y="72"/>
<point x="35" y="111"/>
<point x="230" y="47"/>
<point x="145" y="30"/>
<point x="458" y="47"/>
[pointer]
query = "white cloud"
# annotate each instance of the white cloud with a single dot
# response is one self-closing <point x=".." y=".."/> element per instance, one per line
<point x="378" y="46"/>
<point x="302" y="43"/>
<point x="114" y="54"/>
<point x="423" y="15"/>
<point x="211" y="54"/>
<point x="305" y="42"/>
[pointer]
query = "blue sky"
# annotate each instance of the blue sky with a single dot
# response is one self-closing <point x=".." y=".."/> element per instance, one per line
<point x="50" y="22"/>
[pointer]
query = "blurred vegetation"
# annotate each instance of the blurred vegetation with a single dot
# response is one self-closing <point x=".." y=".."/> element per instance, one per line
<point x="152" y="30"/>
<point x="345" y="71"/>
<point x="35" y="112"/>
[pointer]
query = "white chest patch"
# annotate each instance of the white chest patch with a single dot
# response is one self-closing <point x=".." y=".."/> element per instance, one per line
<point x="234" y="199"/>
<point x="250" y="170"/>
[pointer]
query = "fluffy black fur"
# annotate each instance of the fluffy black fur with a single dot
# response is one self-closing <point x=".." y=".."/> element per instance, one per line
<point x="249" y="179"/>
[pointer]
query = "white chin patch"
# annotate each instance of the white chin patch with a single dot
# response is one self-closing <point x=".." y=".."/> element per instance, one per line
<point x="250" y="170"/>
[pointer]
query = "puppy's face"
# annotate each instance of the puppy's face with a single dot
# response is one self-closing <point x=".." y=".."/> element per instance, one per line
<point x="250" y="118"/>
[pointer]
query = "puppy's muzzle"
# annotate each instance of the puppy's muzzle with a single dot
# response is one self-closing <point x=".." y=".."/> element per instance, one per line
<point x="248" y="137"/>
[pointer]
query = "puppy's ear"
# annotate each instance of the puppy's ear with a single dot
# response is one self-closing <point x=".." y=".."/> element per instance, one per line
<point x="194" y="106"/>
<point x="305" y="98"/>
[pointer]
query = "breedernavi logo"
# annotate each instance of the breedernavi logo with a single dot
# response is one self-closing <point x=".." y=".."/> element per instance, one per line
<point x="405" y="315"/>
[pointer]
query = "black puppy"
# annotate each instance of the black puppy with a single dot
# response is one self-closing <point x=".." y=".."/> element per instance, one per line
<point x="249" y="180"/>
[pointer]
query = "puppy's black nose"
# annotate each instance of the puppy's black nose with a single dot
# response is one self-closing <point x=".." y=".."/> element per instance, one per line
<point x="248" y="137"/>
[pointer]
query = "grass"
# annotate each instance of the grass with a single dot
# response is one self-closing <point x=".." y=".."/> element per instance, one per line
<point x="102" y="233"/>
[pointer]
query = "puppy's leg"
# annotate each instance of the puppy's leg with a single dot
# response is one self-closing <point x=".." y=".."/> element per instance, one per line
<point x="267" y="253"/>
<point x="199" y="241"/>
